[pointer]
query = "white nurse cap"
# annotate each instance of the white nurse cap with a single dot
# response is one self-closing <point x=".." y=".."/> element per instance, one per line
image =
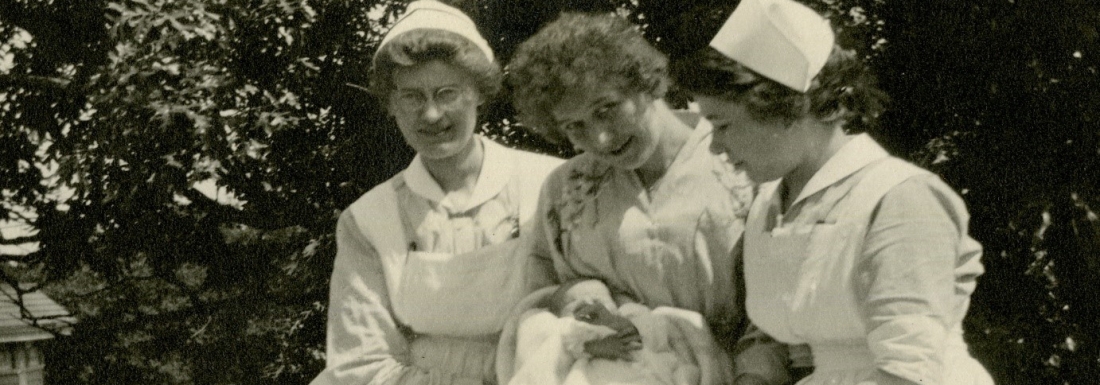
<point x="429" y="14"/>
<point x="780" y="39"/>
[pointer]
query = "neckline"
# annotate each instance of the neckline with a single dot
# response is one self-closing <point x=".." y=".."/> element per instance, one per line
<point x="695" y="136"/>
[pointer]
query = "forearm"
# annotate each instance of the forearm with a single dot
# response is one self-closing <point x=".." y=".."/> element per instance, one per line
<point x="760" y="359"/>
<point x="540" y="243"/>
<point x="540" y="269"/>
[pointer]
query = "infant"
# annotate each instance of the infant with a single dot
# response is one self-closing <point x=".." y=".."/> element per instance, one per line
<point x="585" y="338"/>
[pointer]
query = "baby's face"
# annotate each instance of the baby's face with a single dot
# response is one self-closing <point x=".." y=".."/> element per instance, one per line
<point x="585" y="295"/>
<point x="591" y="302"/>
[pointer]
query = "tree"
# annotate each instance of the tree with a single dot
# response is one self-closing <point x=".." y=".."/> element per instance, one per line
<point x="131" y="120"/>
<point x="1002" y="103"/>
<point x="182" y="164"/>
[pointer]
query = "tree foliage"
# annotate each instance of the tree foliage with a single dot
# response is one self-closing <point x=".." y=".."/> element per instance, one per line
<point x="194" y="155"/>
<point x="182" y="163"/>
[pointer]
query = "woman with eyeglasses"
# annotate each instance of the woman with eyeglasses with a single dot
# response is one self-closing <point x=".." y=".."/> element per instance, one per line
<point x="429" y="262"/>
<point x="645" y="208"/>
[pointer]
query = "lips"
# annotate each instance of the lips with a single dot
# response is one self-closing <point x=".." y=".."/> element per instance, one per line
<point x="622" y="148"/>
<point x="435" y="132"/>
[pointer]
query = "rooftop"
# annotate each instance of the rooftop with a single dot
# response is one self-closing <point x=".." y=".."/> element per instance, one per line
<point x="32" y="321"/>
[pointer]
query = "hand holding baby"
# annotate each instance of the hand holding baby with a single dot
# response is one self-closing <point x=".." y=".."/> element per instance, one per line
<point x="589" y="301"/>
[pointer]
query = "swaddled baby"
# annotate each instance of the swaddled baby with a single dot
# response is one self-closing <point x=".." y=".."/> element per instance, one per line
<point x="586" y="339"/>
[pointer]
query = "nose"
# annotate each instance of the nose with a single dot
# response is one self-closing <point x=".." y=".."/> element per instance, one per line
<point x="432" y="112"/>
<point x="716" y="148"/>
<point x="602" y="136"/>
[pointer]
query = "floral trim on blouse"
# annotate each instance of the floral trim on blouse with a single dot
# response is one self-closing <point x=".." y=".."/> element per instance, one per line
<point x="738" y="184"/>
<point x="579" y="191"/>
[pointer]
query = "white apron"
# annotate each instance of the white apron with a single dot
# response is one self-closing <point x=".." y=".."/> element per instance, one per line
<point x="802" y="281"/>
<point x="455" y="305"/>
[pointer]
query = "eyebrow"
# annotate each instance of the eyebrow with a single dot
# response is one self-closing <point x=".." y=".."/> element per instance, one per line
<point x="452" y="85"/>
<point x="603" y="99"/>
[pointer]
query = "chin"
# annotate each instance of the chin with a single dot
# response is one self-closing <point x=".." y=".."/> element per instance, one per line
<point x="637" y="159"/>
<point x="439" y="151"/>
<point x="761" y="178"/>
<point x="443" y="150"/>
<point x="626" y="164"/>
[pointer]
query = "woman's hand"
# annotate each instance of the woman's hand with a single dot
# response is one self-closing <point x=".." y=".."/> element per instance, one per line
<point x="617" y="346"/>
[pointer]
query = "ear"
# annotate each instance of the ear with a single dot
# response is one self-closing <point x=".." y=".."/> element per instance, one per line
<point x="835" y="116"/>
<point x="645" y="100"/>
<point x="799" y="126"/>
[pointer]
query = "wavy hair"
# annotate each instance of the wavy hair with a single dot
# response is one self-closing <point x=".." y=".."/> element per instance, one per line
<point x="575" y="52"/>
<point x="425" y="45"/>
<point x="843" y="91"/>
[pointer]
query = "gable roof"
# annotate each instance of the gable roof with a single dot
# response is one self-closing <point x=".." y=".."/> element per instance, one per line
<point x="38" y="314"/>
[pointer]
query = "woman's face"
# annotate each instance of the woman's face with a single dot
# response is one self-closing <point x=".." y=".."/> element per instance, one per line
<point x="435" y="105"/>
<point x="765" y="150"/>
<point x="609" y="124"/>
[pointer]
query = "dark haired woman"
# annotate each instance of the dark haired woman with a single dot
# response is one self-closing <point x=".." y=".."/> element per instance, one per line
<point x="646" y="208"/>
<point x="429" y="262"/>
<point x="862" y="256"/>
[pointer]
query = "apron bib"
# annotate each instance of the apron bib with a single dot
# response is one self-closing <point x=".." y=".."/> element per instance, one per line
<point x="464" y="295"/>
<point x="807" y="268"/>
<point x="773" y="262"/>
<point x="468" y="294"/>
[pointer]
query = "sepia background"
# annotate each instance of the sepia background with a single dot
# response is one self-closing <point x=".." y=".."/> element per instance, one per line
<point x="171" y="171"/>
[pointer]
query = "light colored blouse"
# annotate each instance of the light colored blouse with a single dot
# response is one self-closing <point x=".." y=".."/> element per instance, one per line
<point x="871" y="266"/>
<point x="671" y="245"/>
<point x="420" y="288"/>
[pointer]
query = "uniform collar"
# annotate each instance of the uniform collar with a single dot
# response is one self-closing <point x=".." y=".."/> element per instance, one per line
<point x="496" y="168"/>
<point x="860" y="151"/>
<point x="700" y="132"/>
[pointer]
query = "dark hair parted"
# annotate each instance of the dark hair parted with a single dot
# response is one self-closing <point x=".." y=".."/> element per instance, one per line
<point x="425" y="45"/>
<point x="843" y="91"/>
<point x="574" y="53"/>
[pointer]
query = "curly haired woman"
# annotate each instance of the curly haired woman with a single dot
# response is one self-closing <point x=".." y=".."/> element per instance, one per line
<point x="645" y="208"/>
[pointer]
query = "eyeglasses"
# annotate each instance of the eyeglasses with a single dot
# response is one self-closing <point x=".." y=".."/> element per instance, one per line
<point x="413" y="101"/>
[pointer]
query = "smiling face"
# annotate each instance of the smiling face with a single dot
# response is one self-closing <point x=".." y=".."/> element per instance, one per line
<point x="435" y="105"/>
<point x="765" y="150"/>
<point x="608" y="124"/>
